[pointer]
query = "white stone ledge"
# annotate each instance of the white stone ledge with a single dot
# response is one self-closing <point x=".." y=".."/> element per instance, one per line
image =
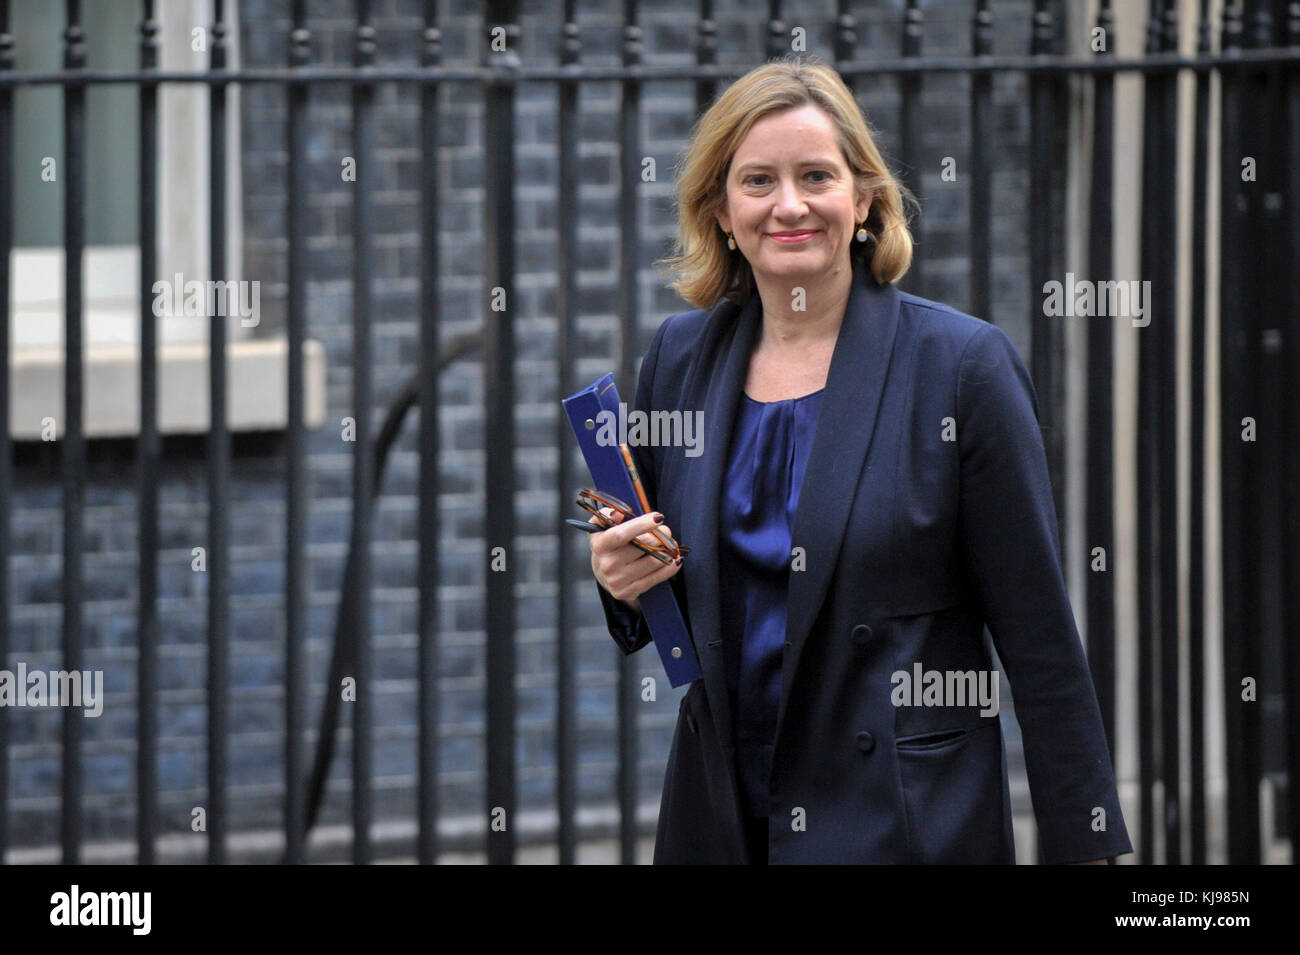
<point x="256" y="394"/>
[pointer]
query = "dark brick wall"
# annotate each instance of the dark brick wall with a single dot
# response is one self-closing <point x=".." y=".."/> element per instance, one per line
<point x="257" y="519"/>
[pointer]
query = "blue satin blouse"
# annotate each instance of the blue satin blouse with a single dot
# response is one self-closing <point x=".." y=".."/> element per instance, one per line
<point x="768" y="457"/>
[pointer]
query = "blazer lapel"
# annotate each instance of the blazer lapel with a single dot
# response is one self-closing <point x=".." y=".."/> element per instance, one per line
<point x="845" y="427"/>
<point x="717" y="376"/>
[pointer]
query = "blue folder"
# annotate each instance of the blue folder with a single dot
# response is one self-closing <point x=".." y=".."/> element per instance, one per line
<point x="609" y="474"/>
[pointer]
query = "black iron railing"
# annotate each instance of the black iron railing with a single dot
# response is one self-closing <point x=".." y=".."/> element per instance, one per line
<point x="1251" y="56"/>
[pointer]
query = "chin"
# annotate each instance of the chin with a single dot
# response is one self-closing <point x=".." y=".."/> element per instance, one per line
<point x="794" y="265"/>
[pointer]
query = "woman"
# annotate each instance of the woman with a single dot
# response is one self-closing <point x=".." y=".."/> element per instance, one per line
<point x="871" y="492"/>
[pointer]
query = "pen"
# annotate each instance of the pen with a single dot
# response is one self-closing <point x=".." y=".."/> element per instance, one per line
<point x="636" y="479"/>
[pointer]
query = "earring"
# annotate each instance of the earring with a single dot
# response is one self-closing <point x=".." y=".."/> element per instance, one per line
<point x="862" y="233"/>
<point x="731" y="241"/>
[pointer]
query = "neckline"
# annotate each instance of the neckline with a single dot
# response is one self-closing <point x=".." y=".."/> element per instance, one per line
<point x="783" y="401"/>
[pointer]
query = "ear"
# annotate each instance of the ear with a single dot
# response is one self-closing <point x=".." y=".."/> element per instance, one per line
<point x="863" y="207"/>
<point x="724" y="220"/>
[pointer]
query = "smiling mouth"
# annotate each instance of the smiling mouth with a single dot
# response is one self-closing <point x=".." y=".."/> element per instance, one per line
<point x="801" y="236"/>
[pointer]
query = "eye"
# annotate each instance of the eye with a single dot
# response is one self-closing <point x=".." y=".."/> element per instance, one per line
<point x="821" y="172"/>
<point x="749" y="180"/>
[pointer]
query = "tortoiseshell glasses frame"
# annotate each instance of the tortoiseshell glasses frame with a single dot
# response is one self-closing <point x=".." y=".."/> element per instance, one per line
<point x="664" y="549"/>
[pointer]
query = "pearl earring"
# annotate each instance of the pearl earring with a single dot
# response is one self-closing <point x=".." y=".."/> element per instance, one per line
<point x="731" y="241"/>
<point x="862" y="233"/>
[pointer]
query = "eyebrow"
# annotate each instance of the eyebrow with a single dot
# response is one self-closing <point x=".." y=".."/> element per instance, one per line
<point x="819" y="161"/>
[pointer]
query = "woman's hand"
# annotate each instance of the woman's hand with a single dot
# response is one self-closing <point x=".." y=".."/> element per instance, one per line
<point x="623" y="570"/>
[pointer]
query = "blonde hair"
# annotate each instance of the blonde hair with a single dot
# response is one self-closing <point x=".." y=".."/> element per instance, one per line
<point x="705" y="269"/>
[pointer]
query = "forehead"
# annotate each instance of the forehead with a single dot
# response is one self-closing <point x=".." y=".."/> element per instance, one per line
<point x="790" y="134"/>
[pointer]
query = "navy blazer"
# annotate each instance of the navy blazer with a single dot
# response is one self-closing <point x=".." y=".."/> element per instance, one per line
<point x="925" y="514"/>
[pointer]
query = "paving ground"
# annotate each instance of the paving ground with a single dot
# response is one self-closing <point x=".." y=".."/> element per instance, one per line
<point x="601" y="852"/>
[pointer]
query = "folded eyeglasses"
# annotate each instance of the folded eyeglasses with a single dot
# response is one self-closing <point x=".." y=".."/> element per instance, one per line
<point x="662" y="548"/>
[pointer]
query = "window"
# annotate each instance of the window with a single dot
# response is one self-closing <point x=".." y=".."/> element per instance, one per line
<point x="111" y="320"/>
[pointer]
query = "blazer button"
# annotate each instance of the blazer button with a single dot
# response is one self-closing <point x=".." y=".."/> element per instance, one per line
<point x="690" y="722"/>
<point x="861" y="634"/>
<point x="866" y="742"/>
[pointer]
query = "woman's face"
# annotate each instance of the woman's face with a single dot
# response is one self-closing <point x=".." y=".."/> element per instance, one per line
<point x="790" y="197"/>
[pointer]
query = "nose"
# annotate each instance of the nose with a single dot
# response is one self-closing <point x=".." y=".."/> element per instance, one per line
<point x="789" y="201"/>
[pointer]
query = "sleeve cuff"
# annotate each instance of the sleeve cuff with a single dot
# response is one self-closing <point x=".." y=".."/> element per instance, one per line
<point x="626" y="626"/>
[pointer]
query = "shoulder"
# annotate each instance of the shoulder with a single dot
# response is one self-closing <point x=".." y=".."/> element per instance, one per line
<point x="941" y="330"/>
<point x="682" y="331"/>
<point x="971" y="361"/>
<point x="945" y="337"/>
<point x="679" y="338"/>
